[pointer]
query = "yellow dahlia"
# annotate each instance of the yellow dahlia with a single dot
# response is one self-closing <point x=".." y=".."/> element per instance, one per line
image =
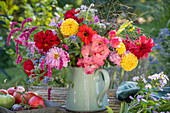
<point x="69" y="27"/>
<point x="129" y="62"/>
<point x="122" y="49"/>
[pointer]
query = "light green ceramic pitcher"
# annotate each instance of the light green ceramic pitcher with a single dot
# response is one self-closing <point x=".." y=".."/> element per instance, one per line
<point x="89" y="92"/>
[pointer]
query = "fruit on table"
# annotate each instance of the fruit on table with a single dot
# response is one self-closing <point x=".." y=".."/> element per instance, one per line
<point x="3" y="91"/>
<point x="11" y="90"/>
<point x="28" y="96"/>
<point x="17" y="95"/>
<point x="7" y="101"/>
<point x="17" y="107"/>
<point x="36" y="102"/>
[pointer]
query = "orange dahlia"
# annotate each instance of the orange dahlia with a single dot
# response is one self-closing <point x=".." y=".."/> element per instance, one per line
<point x="86" y="33"/>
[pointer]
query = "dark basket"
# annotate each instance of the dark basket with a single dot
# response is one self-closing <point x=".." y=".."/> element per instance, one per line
<point x="51" y="107"/>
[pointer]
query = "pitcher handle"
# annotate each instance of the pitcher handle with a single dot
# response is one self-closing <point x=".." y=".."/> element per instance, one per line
<point x="106" y="86"/>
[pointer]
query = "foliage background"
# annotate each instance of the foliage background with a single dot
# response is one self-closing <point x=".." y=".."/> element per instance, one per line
<point x="152" y="16"/>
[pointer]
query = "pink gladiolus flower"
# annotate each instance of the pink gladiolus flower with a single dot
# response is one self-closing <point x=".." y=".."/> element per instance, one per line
<point x="19" y="59"/>
<point x="115" y="42"/>
<point x="17" y="45"/>
<point x="49" y="71"/>
<point x="12" y="25"/>
<point x="42" y="64"/>
<point x="115" y="58"/>
<point x="127" y="37"/>
<point x="24" y="21"/>
<point x="57" y="58"/>
<point x="65" y="46"/>
<point x="17" y="50"/>
<point x="138" y="30"/>
<point x="10" y="34"/>
<point x="26" y="30"/>
<point x="17" y="29"/>
<point x="112" y="33"/>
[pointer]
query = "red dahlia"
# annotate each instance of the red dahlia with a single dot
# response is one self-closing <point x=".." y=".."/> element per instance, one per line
<point x="71" y="14"/>
<point x="86" y="33"/>
<point x="46" y="40"/>
<point x="141" y="47"/>
<point x="28" y="66"/>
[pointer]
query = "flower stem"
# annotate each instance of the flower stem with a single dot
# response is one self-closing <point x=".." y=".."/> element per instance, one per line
<point x="49" y="93"/>
<point x="77" y="45"/>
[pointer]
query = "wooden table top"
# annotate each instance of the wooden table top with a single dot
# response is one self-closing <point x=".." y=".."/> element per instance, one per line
<point x="59" y="95"/>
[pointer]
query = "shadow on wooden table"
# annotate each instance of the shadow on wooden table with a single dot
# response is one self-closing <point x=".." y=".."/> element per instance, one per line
<point x="59" y="95"/>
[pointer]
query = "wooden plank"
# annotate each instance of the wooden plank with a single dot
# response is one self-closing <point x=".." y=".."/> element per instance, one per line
<point x="59" y="95"/>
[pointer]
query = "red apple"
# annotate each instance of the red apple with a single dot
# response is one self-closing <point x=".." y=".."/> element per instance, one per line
<point x="11" y="90"/>
<point x="21" y="88"/>
<point x="28" y="96"/>
<point x="3" y="91"/>
<point x="17" y="96"/>
<point x="36" y="102"/>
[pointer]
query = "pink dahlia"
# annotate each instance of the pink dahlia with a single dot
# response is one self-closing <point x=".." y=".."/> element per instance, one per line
<point x="112" y="33"/>
<point x="115" y="42"/>
<point x="105" y="53"/>
<point x="94" y="54"/>
<point x="90" y="65"/>
<point x="86" y="51"/>
<point x="57" y="58"/>
<point x="99" y="59"/>
<point x="99" y="43"/>
<point x="80" y="62"/>
<point x="115" y="58"/>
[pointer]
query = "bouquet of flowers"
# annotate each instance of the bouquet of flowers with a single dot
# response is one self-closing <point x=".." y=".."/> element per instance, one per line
<point x="77" y="38"/>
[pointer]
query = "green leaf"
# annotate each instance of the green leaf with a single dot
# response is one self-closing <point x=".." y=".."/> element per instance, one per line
<point x="15" y="7"/>
<point x="151" y="102"/>
<point x="109" y="110"/>
<point x="10" y="51"/>
<point x="77" y="53"/>
<point x="35" y="51"/>
<point x="38" y="9"/>
<point x="124" y="107"/>
<point x="81" y="24"/>
<point x="21" y="19"/>
<point x="143" y="101"/>
<point x="68" y="74"/>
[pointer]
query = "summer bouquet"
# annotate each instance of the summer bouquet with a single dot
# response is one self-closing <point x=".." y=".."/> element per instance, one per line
<point x="77" y="38"/>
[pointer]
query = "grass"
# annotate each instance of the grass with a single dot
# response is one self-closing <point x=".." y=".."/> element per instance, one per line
<point x="16" y="74"/>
